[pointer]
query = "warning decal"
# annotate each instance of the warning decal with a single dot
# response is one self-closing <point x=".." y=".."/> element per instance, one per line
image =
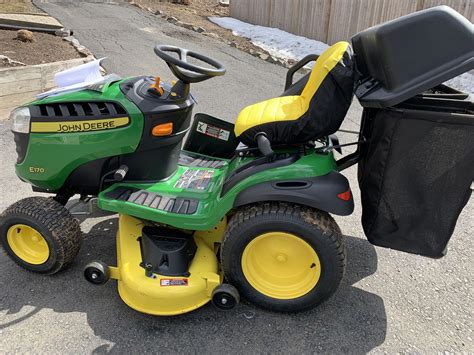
<point x="174" y="282"/>
<point x="213" y="131"/>
<point x="195" y="180"/>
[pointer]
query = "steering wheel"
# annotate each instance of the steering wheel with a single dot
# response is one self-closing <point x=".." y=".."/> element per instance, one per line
<point x="187" y="72"/>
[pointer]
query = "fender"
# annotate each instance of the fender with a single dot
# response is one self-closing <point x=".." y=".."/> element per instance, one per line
<point x="319" y="192"/>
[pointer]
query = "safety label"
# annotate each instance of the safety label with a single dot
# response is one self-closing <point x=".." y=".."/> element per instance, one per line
<point x="174" y="282"/>
<point x="195" y="180"/>
<point x="213" y="131"/>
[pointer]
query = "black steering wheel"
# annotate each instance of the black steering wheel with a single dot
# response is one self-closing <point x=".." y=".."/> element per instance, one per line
<point x="187" y="72"/>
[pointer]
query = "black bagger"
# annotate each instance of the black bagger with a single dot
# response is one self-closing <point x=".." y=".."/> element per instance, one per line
<point x="416" y="172"/>
<point x="417" y="167"/>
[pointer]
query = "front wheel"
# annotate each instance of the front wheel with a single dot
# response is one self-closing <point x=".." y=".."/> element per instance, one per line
<point x="283" y="257"/>
<point x="40" y="235"/>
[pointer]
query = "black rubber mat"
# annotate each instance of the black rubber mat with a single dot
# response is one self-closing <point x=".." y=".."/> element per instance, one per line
<point x="152" y="200"/>
<point x="200" y="162"/>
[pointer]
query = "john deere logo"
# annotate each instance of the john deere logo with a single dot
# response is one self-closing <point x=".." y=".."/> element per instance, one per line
<point x="78" y="126"/>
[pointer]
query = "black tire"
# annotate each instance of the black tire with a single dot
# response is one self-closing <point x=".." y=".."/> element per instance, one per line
<point x="315" y="227"/>
<point x="225" y="297"/>
<point x="97" y="272"/>
<point x="55" y="224"/>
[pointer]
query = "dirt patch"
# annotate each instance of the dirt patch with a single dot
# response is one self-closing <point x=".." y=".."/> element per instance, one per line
<point x="45" y="49"/>
<point x="196" y="15"/>
<point x="18" y="6"/>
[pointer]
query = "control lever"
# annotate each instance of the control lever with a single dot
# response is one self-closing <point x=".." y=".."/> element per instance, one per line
<point x="265" y="146"/>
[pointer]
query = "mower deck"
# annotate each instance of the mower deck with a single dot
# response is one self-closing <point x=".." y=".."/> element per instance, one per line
<point x="158" y="294"/>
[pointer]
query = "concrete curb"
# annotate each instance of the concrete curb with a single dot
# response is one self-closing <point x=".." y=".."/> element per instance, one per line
<point x="19" y="85"/>
<point x="30" y="20"/>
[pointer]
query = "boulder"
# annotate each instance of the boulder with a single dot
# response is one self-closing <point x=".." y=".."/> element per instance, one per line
<point x="25" y="36"/>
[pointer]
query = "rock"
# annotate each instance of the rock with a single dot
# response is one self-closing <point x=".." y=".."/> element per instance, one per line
<point x="252" y="51"/>
<point x="211" y="34"/>
<point x="172" y="19"/>
<point x="62" y="32"/>
<point x="264" y="56"/>
<point x="284" y="63"/>
<point x="291" y="62"/>
<point x="75" y="42"/>
<point x="199" y="29"/>
<point x="25" y="36"/>
<point x="137" y="5"/>
<point x="233" y="44"/>
<point x="179" y="23"/>
<point x="158" y="12"/>
<point x="224" y="3"/>
<point x="83" y="51"/>
<point x="188" y="26"/>
<point x="272" y="60"/>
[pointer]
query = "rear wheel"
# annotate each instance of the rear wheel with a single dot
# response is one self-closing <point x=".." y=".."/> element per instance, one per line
<point x="283" y="257"/>
<point x="40" y="234"/>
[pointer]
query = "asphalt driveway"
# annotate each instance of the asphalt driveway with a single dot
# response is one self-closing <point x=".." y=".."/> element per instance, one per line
<point x="389" y="301"/>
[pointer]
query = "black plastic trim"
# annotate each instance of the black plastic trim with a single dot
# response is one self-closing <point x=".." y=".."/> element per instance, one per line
<point x="320" y="192"/>
<point x="255" y="167"/>
<point x="21" y="145"/>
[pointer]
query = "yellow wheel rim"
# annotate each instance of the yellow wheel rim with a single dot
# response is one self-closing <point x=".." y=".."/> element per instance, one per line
<point x="281" y="265"/>
<point x="28" y="244"/>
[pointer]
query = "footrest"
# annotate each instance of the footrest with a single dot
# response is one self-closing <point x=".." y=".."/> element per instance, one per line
<point x="200" y="161"/>
<point x="152" y="200"/>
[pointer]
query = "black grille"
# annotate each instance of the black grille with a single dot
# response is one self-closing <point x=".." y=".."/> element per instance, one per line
<point x="78" y="109"/>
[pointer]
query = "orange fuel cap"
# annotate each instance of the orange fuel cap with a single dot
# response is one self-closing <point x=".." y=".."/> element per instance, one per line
<point x="164" y="129"/>
<point x="157" y="87"/>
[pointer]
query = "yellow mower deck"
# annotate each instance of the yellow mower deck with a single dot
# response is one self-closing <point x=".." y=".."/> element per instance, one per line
<point x="162" y="295"/>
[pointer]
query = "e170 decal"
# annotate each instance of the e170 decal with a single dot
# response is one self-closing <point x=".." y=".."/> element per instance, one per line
<point x="35" y="170"/>
<point x="79" y="126"/>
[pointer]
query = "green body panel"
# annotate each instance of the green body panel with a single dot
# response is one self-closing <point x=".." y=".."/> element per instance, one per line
<point x="212" y="207"/>
<point x="52" y="157"/>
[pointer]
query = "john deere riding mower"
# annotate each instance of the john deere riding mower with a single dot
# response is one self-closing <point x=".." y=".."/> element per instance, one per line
<point x="245" y="209"/>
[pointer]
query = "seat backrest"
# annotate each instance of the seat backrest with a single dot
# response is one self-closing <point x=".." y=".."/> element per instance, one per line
<point x="317" y="112"/>
<point x="323" y="66"/>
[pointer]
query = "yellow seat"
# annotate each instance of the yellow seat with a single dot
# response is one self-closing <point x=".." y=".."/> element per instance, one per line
<point x="291" y="108"/>
<point x="277" y="109"/>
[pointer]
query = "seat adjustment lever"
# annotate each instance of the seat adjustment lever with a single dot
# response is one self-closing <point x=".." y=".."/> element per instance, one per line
<point x="264" y="145"/>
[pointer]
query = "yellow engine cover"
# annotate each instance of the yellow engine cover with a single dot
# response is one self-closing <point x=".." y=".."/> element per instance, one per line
<point x="162" y="295"/>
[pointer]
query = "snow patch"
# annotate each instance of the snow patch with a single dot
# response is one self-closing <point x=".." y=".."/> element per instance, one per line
<point x="278" y="43"/>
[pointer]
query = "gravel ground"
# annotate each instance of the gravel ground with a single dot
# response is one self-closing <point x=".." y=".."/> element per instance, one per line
<point x="389" y="301"/>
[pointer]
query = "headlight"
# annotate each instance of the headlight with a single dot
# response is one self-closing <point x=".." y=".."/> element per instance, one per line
<point x="21" y="120"/>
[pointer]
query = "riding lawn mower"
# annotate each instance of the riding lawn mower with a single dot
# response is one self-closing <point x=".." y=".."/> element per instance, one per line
<point x="212" y="211"/>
